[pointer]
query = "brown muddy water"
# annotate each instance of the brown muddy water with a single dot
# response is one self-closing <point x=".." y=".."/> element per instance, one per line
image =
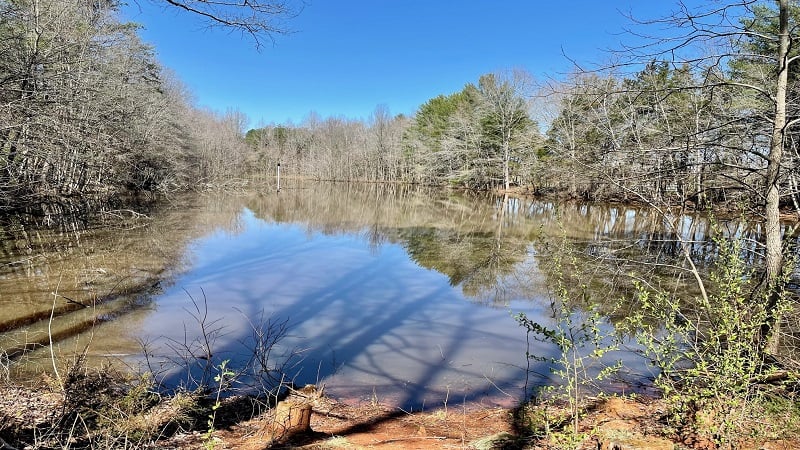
<point x="386" y="293"/>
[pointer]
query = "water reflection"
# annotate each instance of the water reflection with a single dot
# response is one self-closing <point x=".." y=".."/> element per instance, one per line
<point x="366" y="319"/>
<point x="75" y="280"/>
<point x="465" y="237"/>
<point x="379" y="286"/>
<point x="399" y="291"/>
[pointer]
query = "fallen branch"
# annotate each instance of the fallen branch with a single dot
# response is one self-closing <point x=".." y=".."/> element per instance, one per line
<point x="775" y="377"/>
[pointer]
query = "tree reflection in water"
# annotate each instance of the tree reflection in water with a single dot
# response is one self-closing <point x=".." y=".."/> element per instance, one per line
<point x="373" y="278"/>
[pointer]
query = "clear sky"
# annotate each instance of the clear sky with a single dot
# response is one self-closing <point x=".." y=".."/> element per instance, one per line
<point x="345" y="57"/>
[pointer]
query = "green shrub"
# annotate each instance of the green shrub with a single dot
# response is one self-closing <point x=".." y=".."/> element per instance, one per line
<point x="707" y="352"/>
<point x="584" y="339"/>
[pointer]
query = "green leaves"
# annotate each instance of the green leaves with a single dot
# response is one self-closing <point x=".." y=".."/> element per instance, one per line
<point x="582" y="336"/>
<point x="223" y="378"/>
<point x="708" y="353"/>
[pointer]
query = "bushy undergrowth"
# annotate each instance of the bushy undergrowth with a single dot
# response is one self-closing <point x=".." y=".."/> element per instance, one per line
<point x="106" y="408"/>
<point x="584" y="341"/>
<point x="707" y="352"/>
<point x="99" y="408"/>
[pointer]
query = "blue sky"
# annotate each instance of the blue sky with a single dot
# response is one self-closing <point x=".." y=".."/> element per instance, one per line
<point x="346" y="57"/>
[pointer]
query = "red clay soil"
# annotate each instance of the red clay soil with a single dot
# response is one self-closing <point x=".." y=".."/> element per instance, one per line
<point x="613" y="423"/>
<point x="337" y="425"/>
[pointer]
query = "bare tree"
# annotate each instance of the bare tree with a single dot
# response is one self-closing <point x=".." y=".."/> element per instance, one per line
<point x="505" y="98"/>
<point x="380" y="123"/>
<point x="742" y="49"/>
<point x="84" y="108"/>
<point x="259" y="19"/>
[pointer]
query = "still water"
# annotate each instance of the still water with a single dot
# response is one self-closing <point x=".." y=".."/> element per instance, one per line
<point x="387" y="293"/>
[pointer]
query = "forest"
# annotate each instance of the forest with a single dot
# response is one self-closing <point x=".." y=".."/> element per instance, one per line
<point x="694" y="133"/>
<point x="89" y="114"/>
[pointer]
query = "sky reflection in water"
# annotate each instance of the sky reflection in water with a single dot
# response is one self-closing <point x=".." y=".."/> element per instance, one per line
<point x="370" y="321"/>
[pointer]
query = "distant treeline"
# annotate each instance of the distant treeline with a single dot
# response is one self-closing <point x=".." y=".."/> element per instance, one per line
<point x="480" y="138"/>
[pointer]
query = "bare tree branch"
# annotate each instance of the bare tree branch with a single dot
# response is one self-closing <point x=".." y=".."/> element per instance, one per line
<point x="259" y="19"/>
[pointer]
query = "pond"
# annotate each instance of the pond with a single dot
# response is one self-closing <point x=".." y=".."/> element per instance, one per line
<point x="380" y="292"/>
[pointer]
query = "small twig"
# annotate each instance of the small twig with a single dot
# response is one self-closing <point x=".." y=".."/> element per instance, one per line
<point x="23" y="261"/>
<point x="412" y="438"/>
<point x="5" y="445"/>
<point x="50" y="331"/>
<point x="69" y="300"/>
<point x="497" y="387"/>
<point x="118" y="213"/>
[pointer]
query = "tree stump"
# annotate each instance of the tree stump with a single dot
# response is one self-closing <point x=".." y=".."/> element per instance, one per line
<point x="291" y="417"/>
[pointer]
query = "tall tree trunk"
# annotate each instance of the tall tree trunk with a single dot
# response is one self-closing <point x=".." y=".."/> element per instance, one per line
<point x="506" y="158"/>
<point x="774" y="253"/>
